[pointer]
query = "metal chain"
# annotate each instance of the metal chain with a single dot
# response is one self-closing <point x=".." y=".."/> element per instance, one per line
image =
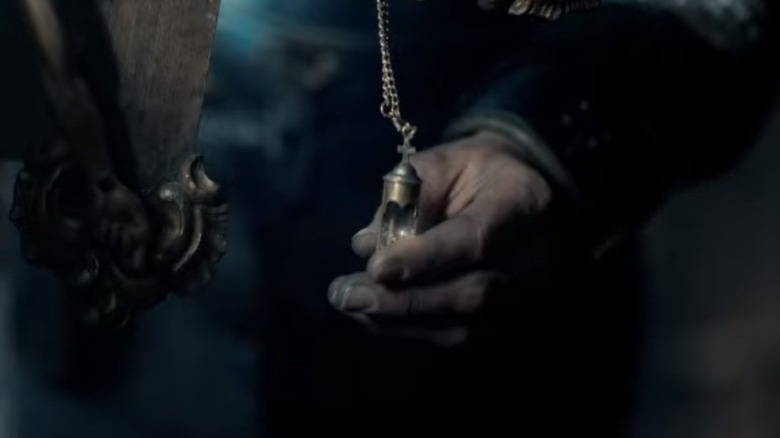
<point x="391" y="106"/>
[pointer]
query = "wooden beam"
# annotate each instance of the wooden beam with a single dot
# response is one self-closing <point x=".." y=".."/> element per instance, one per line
<point x="163" y="51"/>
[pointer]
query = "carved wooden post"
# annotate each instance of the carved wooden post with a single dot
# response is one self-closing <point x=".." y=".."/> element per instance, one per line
<point x="120" y="205"/>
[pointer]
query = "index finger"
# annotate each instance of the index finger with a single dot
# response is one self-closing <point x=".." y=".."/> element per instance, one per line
<point x="455" y="243"/>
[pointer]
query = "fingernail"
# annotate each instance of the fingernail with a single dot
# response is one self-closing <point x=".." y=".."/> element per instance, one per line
<point x="345" y="296"/>
<point x="362" y="233"/>
<point x="334" y="290"/>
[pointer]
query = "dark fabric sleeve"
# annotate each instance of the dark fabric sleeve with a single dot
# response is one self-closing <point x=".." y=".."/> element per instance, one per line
<point x="632" y="105"/>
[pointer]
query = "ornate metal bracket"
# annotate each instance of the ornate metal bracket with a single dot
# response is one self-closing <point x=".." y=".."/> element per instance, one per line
<point x="122" y="252"/>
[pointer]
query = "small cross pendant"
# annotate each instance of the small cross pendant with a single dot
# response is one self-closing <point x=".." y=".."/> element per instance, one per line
<point x="406" y="150"/>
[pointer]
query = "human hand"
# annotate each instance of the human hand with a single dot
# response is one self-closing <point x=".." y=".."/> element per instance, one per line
<point x="483" y="204"/>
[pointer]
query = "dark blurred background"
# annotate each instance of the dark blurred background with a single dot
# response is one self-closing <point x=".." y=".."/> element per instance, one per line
<point x="283" y="144"/>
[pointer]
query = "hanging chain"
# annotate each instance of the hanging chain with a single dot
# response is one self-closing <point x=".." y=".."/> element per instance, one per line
<point x="391" y="106"/>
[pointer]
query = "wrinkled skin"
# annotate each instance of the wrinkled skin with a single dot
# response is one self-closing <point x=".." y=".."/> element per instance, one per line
<point x="481" y="206"/>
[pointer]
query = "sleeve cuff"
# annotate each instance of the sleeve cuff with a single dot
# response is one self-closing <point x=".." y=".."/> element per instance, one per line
<point x="535" y="151"/>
